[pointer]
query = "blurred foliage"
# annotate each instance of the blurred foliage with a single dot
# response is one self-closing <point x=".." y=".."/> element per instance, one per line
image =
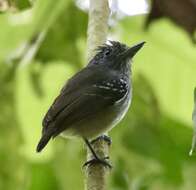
<point x="64" y="35"/>
<point x="10" y="136"/>
<point x="180" y="12"/>
<point x="150" y="146"/>
<point x="20" y="4"/>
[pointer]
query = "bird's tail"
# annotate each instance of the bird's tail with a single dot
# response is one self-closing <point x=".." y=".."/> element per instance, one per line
<point x="43" y="142"/>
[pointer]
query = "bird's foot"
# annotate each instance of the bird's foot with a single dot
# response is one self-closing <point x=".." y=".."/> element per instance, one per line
<point x="103" y="137"/>
<point x="98" y="161"/>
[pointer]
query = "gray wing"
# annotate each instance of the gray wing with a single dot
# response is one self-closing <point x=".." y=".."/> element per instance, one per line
<point x="79" y="99"/>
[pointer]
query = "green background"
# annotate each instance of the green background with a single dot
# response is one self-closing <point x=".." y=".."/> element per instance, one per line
<point x="150" y="146"/>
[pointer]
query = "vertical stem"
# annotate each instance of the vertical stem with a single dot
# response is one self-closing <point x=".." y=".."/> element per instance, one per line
<point x="96" y="174"/>
<point x="97" y="25"/>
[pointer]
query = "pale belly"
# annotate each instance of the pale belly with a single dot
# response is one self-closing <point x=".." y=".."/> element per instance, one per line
<point x="102" y="122"/>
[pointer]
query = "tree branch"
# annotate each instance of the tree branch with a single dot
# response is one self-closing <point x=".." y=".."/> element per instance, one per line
<point x="96" y="174"/>
<point x="97" y="25"/>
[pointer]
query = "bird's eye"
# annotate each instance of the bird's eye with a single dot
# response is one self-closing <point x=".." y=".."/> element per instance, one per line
<point x="107" y="52"/>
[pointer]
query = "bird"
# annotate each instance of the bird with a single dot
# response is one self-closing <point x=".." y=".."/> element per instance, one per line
<point x="95" y="99"/>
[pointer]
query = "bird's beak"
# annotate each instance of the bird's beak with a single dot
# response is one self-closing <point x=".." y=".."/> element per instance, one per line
<point x="129" y="53"/>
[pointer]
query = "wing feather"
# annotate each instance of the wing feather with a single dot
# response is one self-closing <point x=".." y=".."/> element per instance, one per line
<point x="78" y="99"/>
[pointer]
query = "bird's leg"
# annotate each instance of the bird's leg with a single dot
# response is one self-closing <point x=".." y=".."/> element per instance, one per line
<point x="91" y="148"/>
<point x="96" y="158"/>
<point x="103" y="137"/>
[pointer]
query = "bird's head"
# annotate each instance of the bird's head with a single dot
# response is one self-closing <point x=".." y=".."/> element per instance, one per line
<point x="115" y="55"/>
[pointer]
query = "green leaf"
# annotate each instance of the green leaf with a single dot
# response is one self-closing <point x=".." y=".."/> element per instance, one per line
<point x="17" y="29"/>
<point x="62" y="39"/>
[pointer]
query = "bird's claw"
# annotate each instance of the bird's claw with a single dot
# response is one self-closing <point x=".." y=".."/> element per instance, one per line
<point x="98" y="161"/>
<point x="103" y="137"/>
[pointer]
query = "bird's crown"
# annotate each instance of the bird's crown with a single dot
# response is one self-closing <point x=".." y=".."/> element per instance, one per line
<point x="111" y="50"/>
<point x="113" y="47"/>
<point x="114" y="52"/>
